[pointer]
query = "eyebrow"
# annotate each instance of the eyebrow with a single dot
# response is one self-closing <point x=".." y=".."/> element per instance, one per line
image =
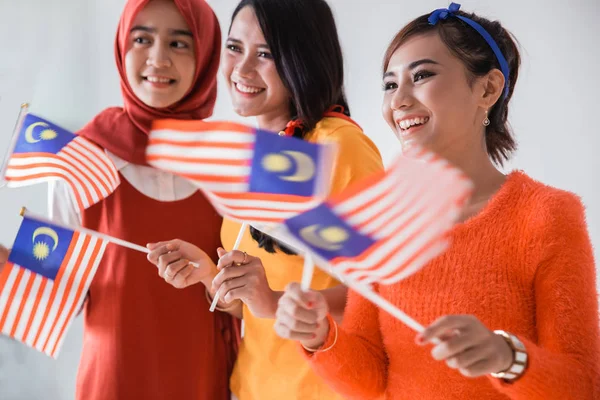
<point x="237" y="41"/>
<point x="174" y="32"/>
<point x="414" y="65"/>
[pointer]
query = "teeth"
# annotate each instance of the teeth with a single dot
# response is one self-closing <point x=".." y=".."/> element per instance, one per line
<point x="157" y="79"/>
<point x="407" y="123"/>
<point x="247" y="89"/>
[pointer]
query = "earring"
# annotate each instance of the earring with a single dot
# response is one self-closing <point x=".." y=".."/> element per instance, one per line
<point x="486" y="121"/>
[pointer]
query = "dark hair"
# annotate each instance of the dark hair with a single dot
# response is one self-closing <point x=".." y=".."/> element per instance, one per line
<point x="303" y="40"/>
<point x="470" y="47"/>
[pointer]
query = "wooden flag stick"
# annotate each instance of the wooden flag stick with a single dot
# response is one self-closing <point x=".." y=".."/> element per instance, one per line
<point x="13" y="141"/>
<point x="25" y="213"/>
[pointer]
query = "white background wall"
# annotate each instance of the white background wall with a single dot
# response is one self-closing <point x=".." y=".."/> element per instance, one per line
<point x="58" y="55"/>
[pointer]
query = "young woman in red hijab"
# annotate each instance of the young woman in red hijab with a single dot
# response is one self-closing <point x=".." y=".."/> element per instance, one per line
<point x="143" y="338"/>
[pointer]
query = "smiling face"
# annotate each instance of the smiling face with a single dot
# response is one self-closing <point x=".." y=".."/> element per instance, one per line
<point x="253" y="82"/>
<point x="429" y="100"/>
<point x="160" y="60"/>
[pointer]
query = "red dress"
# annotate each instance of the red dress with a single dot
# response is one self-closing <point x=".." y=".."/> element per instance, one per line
<point x="143" y="338"/>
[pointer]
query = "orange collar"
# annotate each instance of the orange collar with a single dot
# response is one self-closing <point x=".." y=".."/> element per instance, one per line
<point x="335" y="111"/>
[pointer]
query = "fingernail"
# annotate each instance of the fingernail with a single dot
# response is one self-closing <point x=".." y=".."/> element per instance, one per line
<point x="419" y="339"/>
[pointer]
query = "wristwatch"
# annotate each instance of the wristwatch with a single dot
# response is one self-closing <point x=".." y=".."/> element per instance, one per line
<point x="519" y="360"/>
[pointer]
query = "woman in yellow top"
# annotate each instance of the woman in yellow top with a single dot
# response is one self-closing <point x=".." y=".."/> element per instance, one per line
<point x="283" y="64"/>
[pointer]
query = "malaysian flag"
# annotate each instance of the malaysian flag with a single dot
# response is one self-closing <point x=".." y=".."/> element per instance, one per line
<point x="45" y="151"/>
<point x="45" y="281"/>
<point x="248" y="174"/>
<point x="387" y="227"/>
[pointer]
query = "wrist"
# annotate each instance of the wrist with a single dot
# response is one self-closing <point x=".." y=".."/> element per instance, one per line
<point x="274" y="296"/>
<point x="321" y="335"/>
<point x="221" y="306"/>
<point x="208" y="277"/>
<point x="519" y="359"/>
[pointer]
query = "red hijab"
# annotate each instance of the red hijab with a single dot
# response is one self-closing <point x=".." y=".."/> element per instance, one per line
<point x="124" y="131"/>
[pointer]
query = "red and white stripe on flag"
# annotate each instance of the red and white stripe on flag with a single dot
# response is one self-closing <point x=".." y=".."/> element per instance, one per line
<point x="217" y="157"/>
<point x="38" y="311"/>
<point x="407" y="211"/>
<point x="385" y="227"/>
<point x="88" y="171"/>
<point x="262" y="208"/>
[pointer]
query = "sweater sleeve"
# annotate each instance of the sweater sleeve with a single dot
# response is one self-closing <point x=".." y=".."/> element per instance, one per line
<point x="356" y="365"/>
<point x="564" y="360"/>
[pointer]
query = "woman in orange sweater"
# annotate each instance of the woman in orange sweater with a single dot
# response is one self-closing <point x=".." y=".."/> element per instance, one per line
<point x="520" y="261"/>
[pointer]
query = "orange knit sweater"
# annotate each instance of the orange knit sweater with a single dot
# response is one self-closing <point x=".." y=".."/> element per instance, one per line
<point x="524" y="264"/>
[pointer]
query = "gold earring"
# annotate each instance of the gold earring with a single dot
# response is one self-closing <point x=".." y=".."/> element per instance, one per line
<point x="486" y="121"/>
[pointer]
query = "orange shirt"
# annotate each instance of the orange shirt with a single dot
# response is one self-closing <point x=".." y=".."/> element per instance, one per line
<point x="525" y="265"/>
<point x="269" y="367"/>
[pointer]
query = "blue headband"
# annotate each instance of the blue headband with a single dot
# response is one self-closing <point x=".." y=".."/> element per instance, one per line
<point x="444" y="13"/>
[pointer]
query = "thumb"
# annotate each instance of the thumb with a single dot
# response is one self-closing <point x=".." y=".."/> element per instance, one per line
<point x="221" y="252"/>
<point x="171" y="245"/>
<point x="320" y="303"/>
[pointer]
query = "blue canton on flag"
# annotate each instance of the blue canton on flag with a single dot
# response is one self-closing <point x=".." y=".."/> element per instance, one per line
<point x="38" y="135"/>
<point x="45" y="282"/>
<point x="40" y="248"/>
<point x="388" y="226"/>
<point x="248" y="174"/>
<point x="45" y="152"/>
<point x="327" y="235"/>
<point x="284" y="165"/>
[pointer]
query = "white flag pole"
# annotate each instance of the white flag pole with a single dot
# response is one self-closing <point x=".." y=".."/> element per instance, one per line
<point x="307" y="272"/>
<point x="385" y="305"/>
<point x="26" y="213"/>
<point x="238" y="240"/>
<point x="13" y="142"/>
